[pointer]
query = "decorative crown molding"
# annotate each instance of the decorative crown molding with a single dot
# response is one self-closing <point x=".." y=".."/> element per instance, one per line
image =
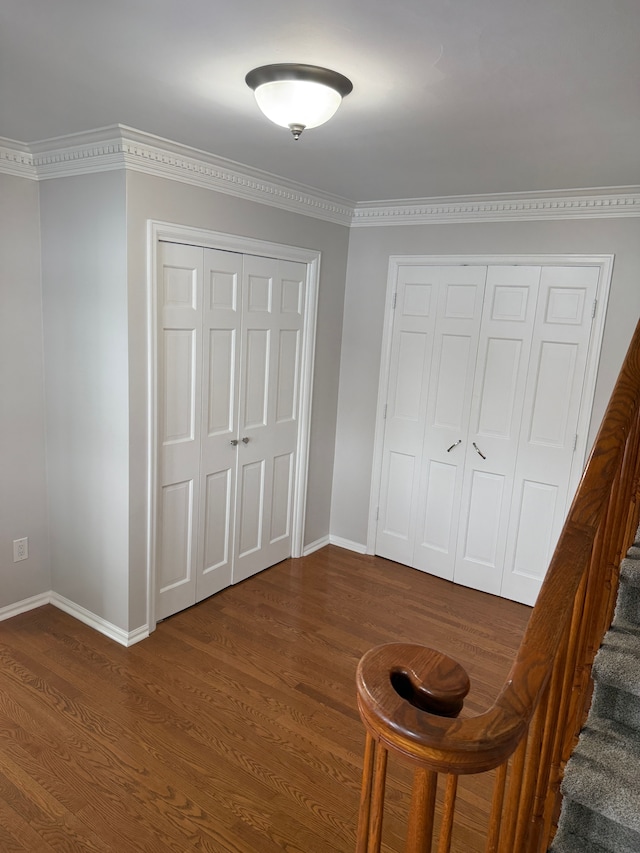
<point x="16" y="159"/>
<point x="120" y="147"/>
<point x="585" y="204"/>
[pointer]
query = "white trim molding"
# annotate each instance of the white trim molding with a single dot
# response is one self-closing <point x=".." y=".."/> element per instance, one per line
<point x="121" y="147"/>
<point x="348" y="544"/>
<point x="125" y="638"/>
<point x="587" y="204"/>
<point x="16" y="159"/>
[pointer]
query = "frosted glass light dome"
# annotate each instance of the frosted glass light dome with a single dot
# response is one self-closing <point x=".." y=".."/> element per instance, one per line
<point x="298" y="96"/>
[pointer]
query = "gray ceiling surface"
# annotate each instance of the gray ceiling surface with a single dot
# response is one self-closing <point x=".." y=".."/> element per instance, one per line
<point x="450" y="97"/>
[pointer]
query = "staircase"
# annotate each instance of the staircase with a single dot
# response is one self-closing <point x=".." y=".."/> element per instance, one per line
<point x="601" y="787"/>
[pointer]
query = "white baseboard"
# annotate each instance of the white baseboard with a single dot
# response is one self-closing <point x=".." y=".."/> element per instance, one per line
<point x="348" y="544"/>
<point x="125" y="638"/>
<point x="315" y="546"/>
<point x="25" y="605"/>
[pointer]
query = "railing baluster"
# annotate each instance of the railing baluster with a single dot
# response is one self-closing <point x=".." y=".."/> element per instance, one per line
<point x="531" y="769"/>
<point x="377" y="802"/>
<point x="448" y="814"/>
<point x="495" y="818"/>
<point x="421" y="813"/>
<point x="365" y="794"/>
<point x="512" y="803"/>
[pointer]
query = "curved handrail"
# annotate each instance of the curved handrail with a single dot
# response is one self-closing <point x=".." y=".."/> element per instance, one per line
<point x="483" y="742"/>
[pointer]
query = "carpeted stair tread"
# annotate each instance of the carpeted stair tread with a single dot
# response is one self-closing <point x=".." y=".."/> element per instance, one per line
<point x="617" y="662"/>
<point x="567" y="842"/>
<point x="616" y="704"/>
<point x="593" y="830"/>
<point x="602" y="774"/>
<point x="586" y="830"/>
<point x="630" y="568"/>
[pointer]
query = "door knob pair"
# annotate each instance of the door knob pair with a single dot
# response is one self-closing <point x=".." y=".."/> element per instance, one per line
<point x="459" y="441"/>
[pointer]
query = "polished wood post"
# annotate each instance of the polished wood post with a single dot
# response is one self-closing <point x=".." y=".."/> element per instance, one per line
<point x="377" y="803"/>
<point x="421" y="811"/>
<point x="365" y="794"/>
<point x="400" y="684"/>
<point x="448" y="814"/>
<point x="495" y="818"/>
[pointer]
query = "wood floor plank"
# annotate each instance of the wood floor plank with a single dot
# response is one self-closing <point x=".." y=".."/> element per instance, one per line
<point x="233" y="728"/>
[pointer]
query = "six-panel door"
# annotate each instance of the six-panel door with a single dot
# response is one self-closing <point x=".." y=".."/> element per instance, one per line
<point x="229" y="350"/>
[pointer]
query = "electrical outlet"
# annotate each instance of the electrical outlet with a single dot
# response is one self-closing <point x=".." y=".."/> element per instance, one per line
<point x="20" y="549"/>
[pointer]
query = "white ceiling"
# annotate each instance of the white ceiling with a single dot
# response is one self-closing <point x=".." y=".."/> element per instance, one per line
<point x="451" y="97"/>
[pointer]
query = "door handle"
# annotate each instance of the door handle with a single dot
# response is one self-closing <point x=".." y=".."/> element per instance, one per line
<point x="455" y="444"/>
<point x="246" y="439"/>
<point x="234" y="442"/>
<point x="478" y="451"/>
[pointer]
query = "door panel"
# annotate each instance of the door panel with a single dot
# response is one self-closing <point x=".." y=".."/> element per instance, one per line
<point x="495" y="418"/>
<point x="460" y="294"/>
<point x="268" y="423"/>
<point x="175" y="566"/>
<point x="551" y="407"/>
<point x="411" y="353"/>
<point x="221" y="321"/>
<point x="179" y="415"/>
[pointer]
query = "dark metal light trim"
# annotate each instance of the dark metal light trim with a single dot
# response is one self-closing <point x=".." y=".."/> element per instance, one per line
<point x="298" y="71"/>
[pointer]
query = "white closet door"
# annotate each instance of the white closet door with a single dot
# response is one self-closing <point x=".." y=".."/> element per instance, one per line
<point x="273" y="297"/>
<point x="491" y="449"/>
<point x="414" y="321"/>
<point x="179" y="375"/>
<point x="459" y="311"/>
<point x="221" y="320"/>
<point x="543" y="475"/>
<point x="486" y="375"/>
<point x="229" y="364"/>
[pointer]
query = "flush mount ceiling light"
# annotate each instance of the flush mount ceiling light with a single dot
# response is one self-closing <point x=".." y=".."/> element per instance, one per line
<point x="298" y="96"/>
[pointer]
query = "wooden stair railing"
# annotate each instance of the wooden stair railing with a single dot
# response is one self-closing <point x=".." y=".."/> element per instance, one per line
<point x="409" y="696"/>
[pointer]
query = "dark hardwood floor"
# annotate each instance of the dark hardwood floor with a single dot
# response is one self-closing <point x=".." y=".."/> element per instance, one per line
<point x="234" y="727"/>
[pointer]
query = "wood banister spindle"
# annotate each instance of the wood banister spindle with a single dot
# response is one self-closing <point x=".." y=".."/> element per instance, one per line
<point x="422" y="811"/>
<point x="448" y="814"/>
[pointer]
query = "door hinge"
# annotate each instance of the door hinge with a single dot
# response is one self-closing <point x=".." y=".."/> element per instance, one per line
<point x="593" y="310"/>
<point x="384" y="412"/>
<point x="395" y="297"/>
<point x="377" y="513"/>
<point x="575" y="442"/>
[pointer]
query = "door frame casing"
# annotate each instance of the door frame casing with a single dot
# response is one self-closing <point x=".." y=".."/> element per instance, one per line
<point x="159" y="231"/>
<point x="605" y="262"/>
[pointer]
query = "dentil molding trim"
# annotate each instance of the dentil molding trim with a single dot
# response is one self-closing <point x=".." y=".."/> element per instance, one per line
<point x="120" y="147"/>
<point x="585" y="204"/>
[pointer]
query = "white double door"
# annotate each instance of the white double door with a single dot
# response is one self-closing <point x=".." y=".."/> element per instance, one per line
<point x="485" y="384"/>
<point x="229" y="348"/>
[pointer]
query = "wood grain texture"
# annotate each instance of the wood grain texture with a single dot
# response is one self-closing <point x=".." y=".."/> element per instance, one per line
<point x="234" y="728"/>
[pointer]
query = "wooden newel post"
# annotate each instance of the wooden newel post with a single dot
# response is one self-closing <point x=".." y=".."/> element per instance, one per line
<point x="397" y="685"/>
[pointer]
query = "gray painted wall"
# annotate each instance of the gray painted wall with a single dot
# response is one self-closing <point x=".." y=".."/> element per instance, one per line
<point x="93" y="304"/>
<point x="22" y="449"/>
<point x="85" y="322"/>
<point x="369" y="253"/>
<point x="150" y="197"/>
